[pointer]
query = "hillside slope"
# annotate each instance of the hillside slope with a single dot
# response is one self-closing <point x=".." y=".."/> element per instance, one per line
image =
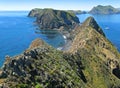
<point x="98" y="55"/>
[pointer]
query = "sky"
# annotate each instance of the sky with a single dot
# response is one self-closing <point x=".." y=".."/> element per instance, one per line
<point x="55" y="4"/>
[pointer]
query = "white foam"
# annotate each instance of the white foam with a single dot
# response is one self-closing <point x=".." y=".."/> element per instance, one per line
<point x="64" y="37"/>
<point x="59" y="48"/>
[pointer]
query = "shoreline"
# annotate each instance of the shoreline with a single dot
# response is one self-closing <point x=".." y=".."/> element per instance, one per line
<point x="67" y="44"/>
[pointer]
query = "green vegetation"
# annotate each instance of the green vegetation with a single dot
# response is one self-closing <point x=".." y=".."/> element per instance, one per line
<point x="38" y="86"/>
<point x="54" y="19"/>
<point x="22" y="86"/>
<point x="96" y="52"/>
<point x="104" y="10"/>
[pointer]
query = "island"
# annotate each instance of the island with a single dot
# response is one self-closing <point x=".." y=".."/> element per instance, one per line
<point x="104" y="10"/>
<point x="77" y="12"/>
<point x="54" y="19"/>
<point x="91" y="61"/>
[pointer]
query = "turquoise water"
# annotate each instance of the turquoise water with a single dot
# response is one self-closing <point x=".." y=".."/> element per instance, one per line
<point x="110" y="25"/>
<point x="17" y="31"/>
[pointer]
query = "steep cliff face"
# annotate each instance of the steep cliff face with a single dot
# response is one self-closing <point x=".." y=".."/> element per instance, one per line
<point x="34" y="12"/>
<point x="89" y="22"/>
<point x="54" y="19"/>
<point x="91" y="62"/>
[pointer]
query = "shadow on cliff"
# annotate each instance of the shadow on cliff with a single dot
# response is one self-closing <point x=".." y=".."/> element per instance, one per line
<point x="116" y="72"/>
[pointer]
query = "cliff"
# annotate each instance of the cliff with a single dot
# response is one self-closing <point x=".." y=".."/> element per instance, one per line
<point x="104" y="10"/>
<point x="91" y="62"/>
<point x="54" y="19"/>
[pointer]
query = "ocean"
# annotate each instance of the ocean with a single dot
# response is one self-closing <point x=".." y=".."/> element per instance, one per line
<point x="17" y="31"/>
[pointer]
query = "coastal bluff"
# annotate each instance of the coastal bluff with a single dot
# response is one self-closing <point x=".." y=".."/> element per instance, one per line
<point x="54" y="19"/>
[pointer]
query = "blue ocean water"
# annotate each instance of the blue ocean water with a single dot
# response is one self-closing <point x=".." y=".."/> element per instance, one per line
<point x="110" y="25"/>
<point x="17" y="31"/>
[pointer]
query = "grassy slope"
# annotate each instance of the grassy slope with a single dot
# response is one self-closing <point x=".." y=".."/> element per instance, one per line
<point x="96" y="51"/>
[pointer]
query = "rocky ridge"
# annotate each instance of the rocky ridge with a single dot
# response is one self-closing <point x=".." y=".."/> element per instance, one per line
<point x="100" y="57"/>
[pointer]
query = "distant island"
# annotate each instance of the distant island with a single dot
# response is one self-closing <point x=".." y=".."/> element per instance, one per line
<point x="54" y="19"/>
<point x="77" y="12"/>
<point x="91" y="60"/>
<point x="104" y="10"/>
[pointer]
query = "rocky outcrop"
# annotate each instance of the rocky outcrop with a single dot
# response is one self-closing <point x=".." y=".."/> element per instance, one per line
<point x="91" y="62"/>
<point x="36" y="43"/>
<point x="104" y="10"/>
<point x="54" y="19"/>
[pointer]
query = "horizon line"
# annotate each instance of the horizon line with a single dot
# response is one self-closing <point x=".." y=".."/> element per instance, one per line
<point x="39" y="8"/>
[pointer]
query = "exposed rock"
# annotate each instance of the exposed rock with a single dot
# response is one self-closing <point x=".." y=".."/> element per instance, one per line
<point x="36" y="43"/>
<point x="104" y="10"/>
<point x="54" y="19"/>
